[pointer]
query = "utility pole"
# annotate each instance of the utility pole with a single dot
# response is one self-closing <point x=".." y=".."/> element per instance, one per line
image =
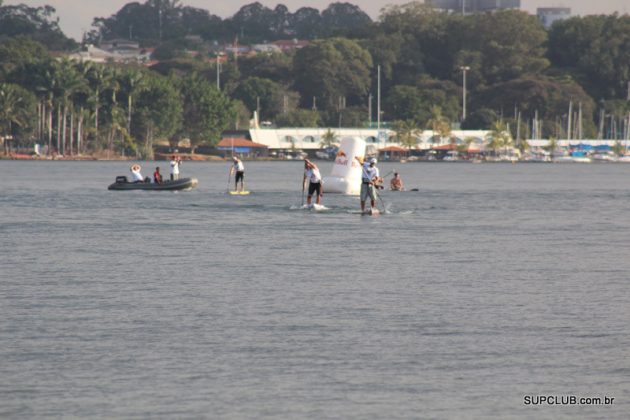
<point x="464" y="69"/>
<point x="378" y="99"/>
<point x="218" y="73"/>
<point x="370" y="109"/>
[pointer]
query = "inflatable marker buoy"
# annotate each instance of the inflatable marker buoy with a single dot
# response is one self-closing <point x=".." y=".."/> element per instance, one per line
<point x="345" y="177"/>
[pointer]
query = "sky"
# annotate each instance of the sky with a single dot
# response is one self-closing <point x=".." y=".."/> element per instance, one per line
<point x="76" y="15"/>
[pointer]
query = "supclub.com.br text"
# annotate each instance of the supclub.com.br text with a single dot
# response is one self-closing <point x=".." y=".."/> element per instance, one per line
<point x="566" y="400"/>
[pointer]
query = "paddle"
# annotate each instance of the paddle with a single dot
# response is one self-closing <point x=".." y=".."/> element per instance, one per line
<point x="229" y="177"/>
<point x="381" y="200"/>
<point x="303" y="183"/>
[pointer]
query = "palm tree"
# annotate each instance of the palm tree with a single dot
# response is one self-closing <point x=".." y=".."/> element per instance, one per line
<point x="499" y="137"/>
<point x="45" y="80"/>
<point x="406" y="132"/>
<point x="551" y="146"/>
<point x="99" y="79"/>
<point x="70" y="82"/>
<point x="12" y="111"/>
<point x="132" y="82"/>
<point x="618" y="148"/>
<point x="329" y="139"/>
<point x="439" y="124"/>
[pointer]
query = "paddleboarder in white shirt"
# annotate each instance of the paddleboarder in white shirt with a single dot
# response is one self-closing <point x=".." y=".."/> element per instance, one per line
<point x="239" y="169"/>
<point x="370" y="180"/>
<point x="311" y="173"/>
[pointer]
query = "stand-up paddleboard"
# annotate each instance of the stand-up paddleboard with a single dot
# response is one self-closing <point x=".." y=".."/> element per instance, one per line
<point x="315" y="207"/>
<point x="371" y="212"/>
<point x="239" y="192"/>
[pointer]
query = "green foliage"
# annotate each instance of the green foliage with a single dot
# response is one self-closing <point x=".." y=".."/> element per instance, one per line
<point x="480" y="119"/>
<point x="206" y="111"/>
<point x="265" y="95"/>
<point x="596" y="51"/>
<point x="498" y="137"/>
<point x="17" y="110"/>
<point x="298" y="118"/>
<point x="406" y="132"/>
<point x="158" y="110"/>
<point x="415" y="102"/>
<point x="330" y="69"/>
<point x="328" y="139"/>
<point x="36" y="23"/>
<point x="276" y="67"/>
<point x="550" y="97"/>
<point x="510" y="44"/>
<point x="18" y="52"/>
<point x="438" y="123"/>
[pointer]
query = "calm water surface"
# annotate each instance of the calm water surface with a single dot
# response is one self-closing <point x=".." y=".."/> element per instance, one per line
<point x="491" y="283"/>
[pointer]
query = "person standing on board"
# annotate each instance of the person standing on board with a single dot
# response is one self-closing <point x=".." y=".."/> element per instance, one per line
<point x="175" y="162"/>
<point x="239" y="169"/>
<point x="314" y="177"/>
<point x="370" y="180"/>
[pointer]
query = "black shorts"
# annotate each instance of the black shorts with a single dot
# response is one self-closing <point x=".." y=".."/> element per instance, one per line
<point x="315" y="186"/>
<point x="240" y="175"/>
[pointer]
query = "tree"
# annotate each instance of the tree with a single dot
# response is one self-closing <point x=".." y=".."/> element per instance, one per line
<point x="265" y="95"/>
<point x="343" y="18"/>
<point x="549" y="97"/>
<point x="36" y="23"/>
<point x="132" y="82"/>
<point x="69" y="82"/>
<point x="330" y="69"/>
<point x="596" y="51"/>
<point x="438" y="124"/>
<point x="99" y="78"/>
<point x="206" y="111"/>
<point x="298" y="118"/>
<point x="18" y="52"/>
<point x="158" y="112"/>
<point x="552" y="146"/>
<point x="276" y="67"/>
<point x="406" y="132"/>
<point x="499" y="137"/>
<point x="329" y="139"/>
<point x="17" y="108"/>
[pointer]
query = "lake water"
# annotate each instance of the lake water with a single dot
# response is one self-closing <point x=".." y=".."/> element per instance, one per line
<point x="491" y="283"/>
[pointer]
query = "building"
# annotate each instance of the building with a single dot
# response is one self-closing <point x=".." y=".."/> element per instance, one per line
<point x="474" y="6"/>
<point x="290" y="45"/>
<point x="549" y="15"/>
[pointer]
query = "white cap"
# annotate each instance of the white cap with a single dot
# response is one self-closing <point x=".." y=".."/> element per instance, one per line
<point x="373" y="160"/>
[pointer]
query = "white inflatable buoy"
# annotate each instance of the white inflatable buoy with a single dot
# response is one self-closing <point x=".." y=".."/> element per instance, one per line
<point x="345" y="177"/>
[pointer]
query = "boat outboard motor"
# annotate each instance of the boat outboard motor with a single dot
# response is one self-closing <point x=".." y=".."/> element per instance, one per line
<point x="121" y="179"/>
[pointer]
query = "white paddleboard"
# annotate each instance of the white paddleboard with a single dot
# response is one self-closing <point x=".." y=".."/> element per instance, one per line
<point x="371" y="212"/>
<point x="315" y="207"/>
<point x="239" y="192"/>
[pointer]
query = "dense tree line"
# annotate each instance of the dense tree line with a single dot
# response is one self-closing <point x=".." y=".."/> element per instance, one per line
<point x="156" y="21"/>
<point x="74" y="107"/>
<point x="517" y="72"/>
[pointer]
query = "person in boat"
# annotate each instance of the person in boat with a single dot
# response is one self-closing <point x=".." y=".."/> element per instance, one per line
<point x="396" y="183"/>
<point x="136" y="176"/>
<point x="239" y="169"/>
<point x="157" y="176"/>
<point x="175" y="163"/>
<point x="311" y="172"/>
<point x="370" y="180"/>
